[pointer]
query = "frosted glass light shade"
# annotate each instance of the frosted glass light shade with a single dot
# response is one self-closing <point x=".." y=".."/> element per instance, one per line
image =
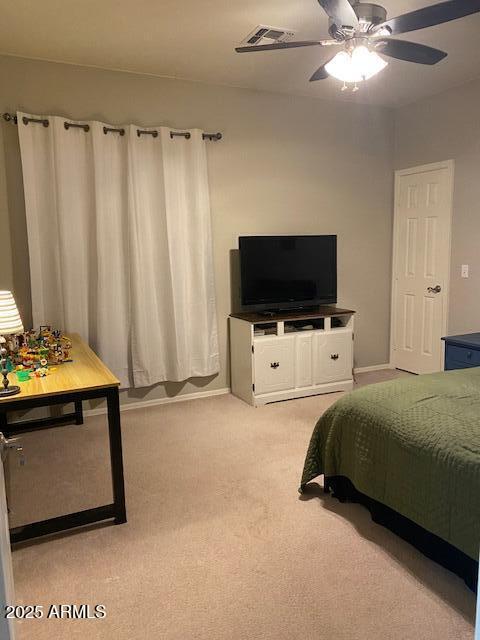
<point x="10" y="321"/>
<point x="356" y="66"/>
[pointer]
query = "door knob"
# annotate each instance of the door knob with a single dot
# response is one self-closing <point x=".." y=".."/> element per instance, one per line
<point x="436" y="289"/>
<point x="9" y="443"/>
<point x="274" y="365"/>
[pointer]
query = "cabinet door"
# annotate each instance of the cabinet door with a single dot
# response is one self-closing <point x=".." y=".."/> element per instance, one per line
<point x="303" y="362"/>
<point x="274" y="364"/>
<point x="333" y="357"/>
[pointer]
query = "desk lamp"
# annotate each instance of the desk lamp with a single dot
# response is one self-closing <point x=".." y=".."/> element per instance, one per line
<point x="10" y="323"/>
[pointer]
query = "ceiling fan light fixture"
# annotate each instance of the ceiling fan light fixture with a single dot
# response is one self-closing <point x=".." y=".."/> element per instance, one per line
<point x="355" y="66"/>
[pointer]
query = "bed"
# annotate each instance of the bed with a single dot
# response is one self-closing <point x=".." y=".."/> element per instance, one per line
<point x="409" y="449"/>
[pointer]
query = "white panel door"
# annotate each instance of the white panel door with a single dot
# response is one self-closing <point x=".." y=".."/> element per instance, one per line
<point x="6" y="574"/>
<point x="274" y="360"/>
<point x="421" y="265"/>
<point x="303" y="361"/>
<point x="333" y="356"/>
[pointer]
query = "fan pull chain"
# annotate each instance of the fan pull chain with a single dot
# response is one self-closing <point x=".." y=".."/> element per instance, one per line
<point x="346" y="87"/>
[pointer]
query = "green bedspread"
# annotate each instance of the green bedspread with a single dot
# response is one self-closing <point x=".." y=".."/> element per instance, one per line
<point x="412" y="444"/>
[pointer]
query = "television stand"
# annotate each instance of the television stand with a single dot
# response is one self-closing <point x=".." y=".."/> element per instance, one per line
<point x="291" y="354"/>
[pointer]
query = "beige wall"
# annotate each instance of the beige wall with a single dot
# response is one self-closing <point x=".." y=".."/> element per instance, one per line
<point x="286" y="165"/>
<point x="443" y="127"/>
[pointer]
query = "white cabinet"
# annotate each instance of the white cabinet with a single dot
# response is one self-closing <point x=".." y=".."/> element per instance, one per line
<point x="333" y="356"/>
<point x="290" y="358"/>
<point x="274" y="364"/>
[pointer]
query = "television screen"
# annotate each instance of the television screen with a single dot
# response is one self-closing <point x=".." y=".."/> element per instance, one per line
<point x="284" y="272"/>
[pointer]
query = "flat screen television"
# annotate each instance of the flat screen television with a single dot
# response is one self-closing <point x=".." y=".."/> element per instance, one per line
<point x="287" y="272"/>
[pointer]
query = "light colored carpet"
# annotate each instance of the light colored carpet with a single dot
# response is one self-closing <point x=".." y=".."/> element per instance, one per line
<point x="218" y="545"/>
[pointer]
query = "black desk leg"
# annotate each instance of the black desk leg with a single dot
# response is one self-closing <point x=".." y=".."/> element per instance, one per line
<point x="78" y="412"/>
<point x="116" y="455"/>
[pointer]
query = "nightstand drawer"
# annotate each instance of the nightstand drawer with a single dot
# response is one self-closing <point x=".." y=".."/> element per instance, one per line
<point x="464" y="355"/>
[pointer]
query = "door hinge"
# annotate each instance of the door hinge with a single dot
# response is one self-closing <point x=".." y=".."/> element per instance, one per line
<point x="253" y="388"/>
<point x="353" y="336"/>
<point x="253" y="349"/>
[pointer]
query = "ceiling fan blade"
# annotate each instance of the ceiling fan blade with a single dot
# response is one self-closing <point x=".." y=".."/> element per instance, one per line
<point x="279" y="45"/>
<point x="341" y="12"/>
<point x="430" y="16"/>
<point x="321" y="73"/>
<point x="410" y="51"/>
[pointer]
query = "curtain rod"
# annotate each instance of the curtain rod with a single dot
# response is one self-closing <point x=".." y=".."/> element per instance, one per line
<point x="213" y="137"/>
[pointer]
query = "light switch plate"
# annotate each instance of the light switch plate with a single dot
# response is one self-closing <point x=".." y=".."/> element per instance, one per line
<point x="464" y="270"/>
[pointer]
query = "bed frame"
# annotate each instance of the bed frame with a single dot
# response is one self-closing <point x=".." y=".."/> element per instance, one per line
<point x="428" y="543"/>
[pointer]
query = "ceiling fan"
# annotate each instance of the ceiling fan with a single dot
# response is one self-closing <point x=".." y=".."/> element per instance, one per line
<point x="363" y="32"/>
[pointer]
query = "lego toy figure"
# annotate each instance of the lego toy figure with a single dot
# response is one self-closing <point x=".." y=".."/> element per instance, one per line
<point x="38" y="350"/>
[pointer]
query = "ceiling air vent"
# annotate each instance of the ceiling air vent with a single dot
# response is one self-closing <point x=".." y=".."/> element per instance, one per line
<point x="267" y="35"/>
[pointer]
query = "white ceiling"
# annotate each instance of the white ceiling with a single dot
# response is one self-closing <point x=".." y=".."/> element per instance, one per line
<point x="195" y="40"/>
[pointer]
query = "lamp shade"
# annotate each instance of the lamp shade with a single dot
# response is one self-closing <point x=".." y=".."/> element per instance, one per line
<point x="355" y="66"/>
<point x="10" y="321"/>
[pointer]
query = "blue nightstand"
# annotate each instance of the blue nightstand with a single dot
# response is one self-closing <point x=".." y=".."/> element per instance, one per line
<point x="462" y="352"/>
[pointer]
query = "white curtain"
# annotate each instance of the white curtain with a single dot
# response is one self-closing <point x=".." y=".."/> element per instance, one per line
<point x="120" y="245"/>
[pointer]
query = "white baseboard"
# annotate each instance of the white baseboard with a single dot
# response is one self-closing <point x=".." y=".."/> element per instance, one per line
<point x="317" y="390"/>
<point x="374" y="367"/>
<point x="184" y="397"/>
<point x="142" y="404"/>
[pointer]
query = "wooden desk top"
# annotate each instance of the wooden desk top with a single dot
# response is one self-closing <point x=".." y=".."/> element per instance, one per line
<point x="86" y="371"/>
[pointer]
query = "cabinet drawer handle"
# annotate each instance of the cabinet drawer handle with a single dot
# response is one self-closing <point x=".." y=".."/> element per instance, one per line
<point x="334" y="356"/>
<point x="274" y="365"/>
